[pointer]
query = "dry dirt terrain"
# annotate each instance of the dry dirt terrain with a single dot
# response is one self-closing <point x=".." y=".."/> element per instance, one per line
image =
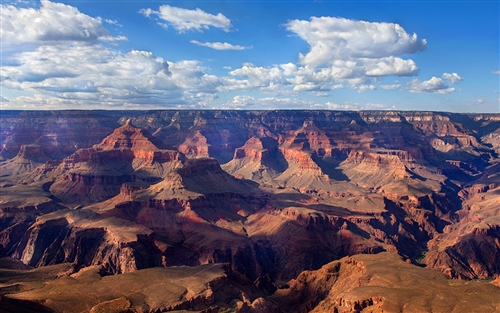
<point x="249" y="211"/>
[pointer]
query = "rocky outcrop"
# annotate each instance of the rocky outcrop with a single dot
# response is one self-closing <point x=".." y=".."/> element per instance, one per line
<point x="195" y="146"/>
<point x="84" y="240"/>
<point x="253" y="149"/>
<point x="258" y="159"/>
<point x="381" y="283"/>
<point x="129" y="137"/>
<point x="205" y="288"/>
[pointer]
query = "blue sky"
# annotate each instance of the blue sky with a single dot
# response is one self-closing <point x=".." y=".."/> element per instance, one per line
<point x="339" y="55"/>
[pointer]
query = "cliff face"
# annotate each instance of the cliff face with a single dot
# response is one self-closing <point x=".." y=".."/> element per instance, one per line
<point x="271" y="193"/>
<point x="469" y="248"/>
<point x="382" y="283"/>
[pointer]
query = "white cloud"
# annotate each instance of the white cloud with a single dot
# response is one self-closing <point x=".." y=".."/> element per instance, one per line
<point x="289" y="78"/>
<point x="97" y="74"/>
<point x="219" y="45"/>
<point x="495" y="72"/>
<point x="334" y="38"/>
<point x="433" y="85"/>
<point x="113" y="22"/>
<point x="350" y="52"/>
<point x="452" y="78"/>
<point x="309" y="86"/>
<point x="147" y="12"/>
<point x="289" y="69"/>
<point x="250" y="77"/>
<point x="390" y="66"/>
<point x="364" y="88"/>
<point x="391" y="87"/>
<point x="343" y="54"/>
<point x="163" y="25"/>
<point x="50" y="24"/>
<point x="183" y="19"/>
<point x="239" y="102"/>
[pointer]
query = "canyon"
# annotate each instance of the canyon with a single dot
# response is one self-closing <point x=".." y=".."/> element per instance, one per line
<point x="249" y="211"/>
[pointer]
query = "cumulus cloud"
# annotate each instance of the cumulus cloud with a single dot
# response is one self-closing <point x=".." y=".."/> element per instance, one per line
<point x="289" y="78"/>
<point x="495" y="72"/>
<point x="435" y="84"/>
<point x="390" y="66"/>
<point x="332" y="38"/>
<point x="219" y="45"/>
<point x="250" y="77"/>
<point x="364" y="88"/>
<point x="49" y="24"/>
<point x="343" y="54"/>
<point x="94" y="73"/>
<point x="184" y="19"/>
<point x="239" y="102"/>
<point x="353" y="53"/>
<point x="452" y="78"/>
<point x="309" y="86"/>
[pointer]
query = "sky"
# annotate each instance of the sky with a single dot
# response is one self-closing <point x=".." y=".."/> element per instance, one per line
<point x="324" y="55"/>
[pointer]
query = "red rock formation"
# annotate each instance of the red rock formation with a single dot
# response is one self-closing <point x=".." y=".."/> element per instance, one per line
<point x="129" y="154"/>
<point x="129" y="137"/>
<point x="300" y="158"/>
<point x="195" y="146"/>
<point x="253" y="149"/>
<point x="380" y="283"/>
<point x="256" y="162"/>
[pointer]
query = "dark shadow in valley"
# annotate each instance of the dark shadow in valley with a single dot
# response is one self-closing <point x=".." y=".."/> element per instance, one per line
<point x="276" y="161"/>
<point x="8" y="305"/>
<point x="330" y="168"/>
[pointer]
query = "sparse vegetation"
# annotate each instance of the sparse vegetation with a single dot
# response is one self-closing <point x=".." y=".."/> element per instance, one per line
<point x="421" y="258"/>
